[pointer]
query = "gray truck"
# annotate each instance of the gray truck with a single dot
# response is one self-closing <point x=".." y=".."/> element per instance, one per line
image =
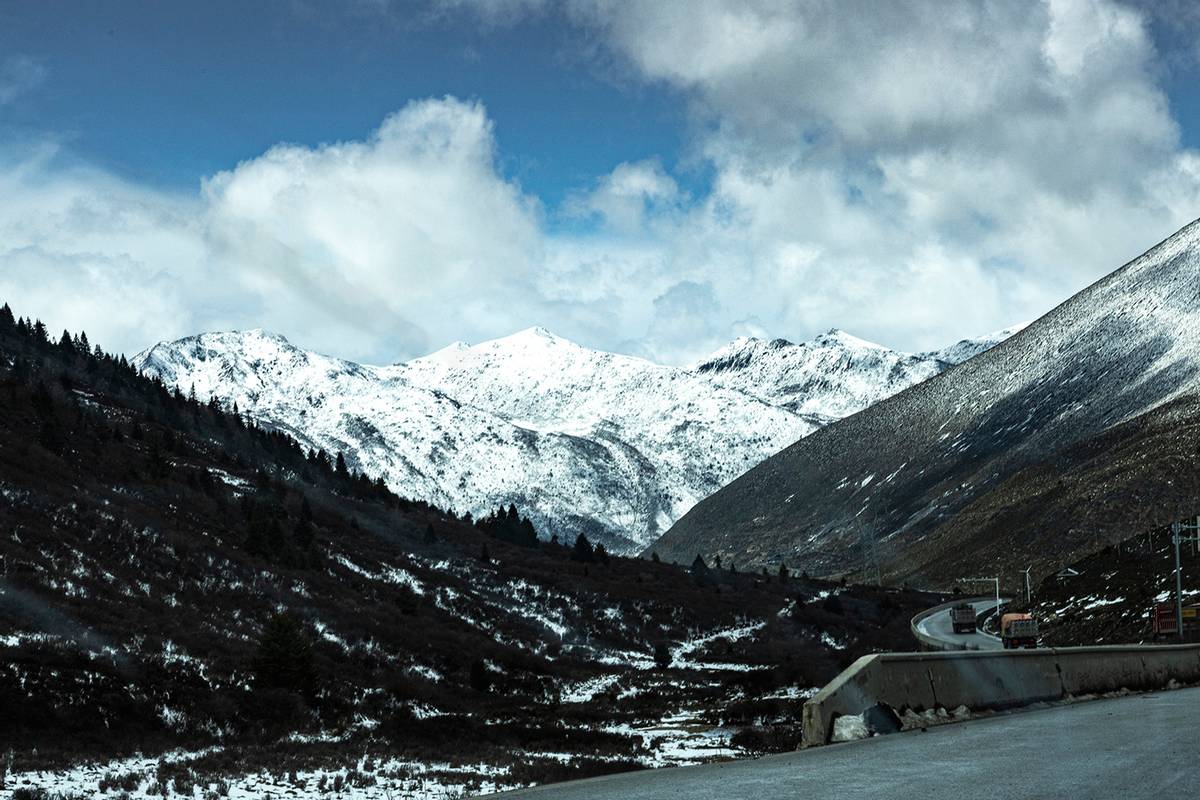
<point x="962" y="618"/>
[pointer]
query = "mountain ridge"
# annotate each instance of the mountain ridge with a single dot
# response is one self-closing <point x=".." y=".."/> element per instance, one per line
<point x="608" y="444"/>
<point x="900" y="472"/>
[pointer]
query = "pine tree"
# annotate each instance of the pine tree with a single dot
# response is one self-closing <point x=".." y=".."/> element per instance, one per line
<point x="654" y="557"/>
<point x="284" y="657"/>
<point x="601" y="553"/>
<point x="783" y="573"/>
<point x="528" y="535"/>
<point x="582" y="551"/>
<point x="302" y="534"/>
<point x="7" y="322"/>
<point x="479" y="678"/>
<point x="662" y="656"/>
<point x="341" y="469"/>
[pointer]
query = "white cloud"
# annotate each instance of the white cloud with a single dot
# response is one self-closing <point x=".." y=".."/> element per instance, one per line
<point x="913" y="171"/>
<point x="377" y="249"/>
<point x="18" y="75"/>
<point x="400" y="243"/>
<point x="628" y="196"/>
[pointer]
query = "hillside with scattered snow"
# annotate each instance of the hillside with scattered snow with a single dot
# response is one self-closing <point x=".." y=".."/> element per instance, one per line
<point x="1074" y="432"/>
<point x="585" y="441"/>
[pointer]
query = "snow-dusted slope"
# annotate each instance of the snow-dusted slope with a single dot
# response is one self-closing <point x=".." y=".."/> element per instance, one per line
<point x="583" y="440"/>
<point x="969" y="348"/>
<point x="917" y="470"/>
<point x="833" y="375"/>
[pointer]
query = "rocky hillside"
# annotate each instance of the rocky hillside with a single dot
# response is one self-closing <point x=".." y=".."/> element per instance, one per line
<point x="191" y="600"/>
<point x="610" y="445"/>
<point x="1005" y="458"/>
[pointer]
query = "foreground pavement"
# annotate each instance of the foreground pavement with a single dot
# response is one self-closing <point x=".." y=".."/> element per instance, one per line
<point x="1138" y="746"/>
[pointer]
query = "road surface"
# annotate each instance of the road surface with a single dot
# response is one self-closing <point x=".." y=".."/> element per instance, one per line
<point x="1138" y="746"/>
<point x="940" y="627"/>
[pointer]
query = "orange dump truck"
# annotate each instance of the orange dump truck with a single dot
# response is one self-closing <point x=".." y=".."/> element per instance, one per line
<point x="1018" y="630"/>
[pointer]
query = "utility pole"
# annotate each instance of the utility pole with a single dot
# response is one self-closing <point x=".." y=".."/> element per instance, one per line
<point x="1177" y="538"/>
<point x="1028" y="590"/>
<point x="870" y="557"/>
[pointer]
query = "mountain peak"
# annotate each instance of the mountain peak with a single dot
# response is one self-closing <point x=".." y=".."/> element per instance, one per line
<point x="846" y="340"/>
<point x="536" y="332"/>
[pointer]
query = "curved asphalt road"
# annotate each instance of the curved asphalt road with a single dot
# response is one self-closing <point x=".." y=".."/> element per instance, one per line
<point x="1139" y="746"/>
<point x="941" y="628"/>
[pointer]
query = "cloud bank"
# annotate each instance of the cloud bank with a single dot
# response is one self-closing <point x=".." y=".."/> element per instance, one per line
<point x="913" y="172"/>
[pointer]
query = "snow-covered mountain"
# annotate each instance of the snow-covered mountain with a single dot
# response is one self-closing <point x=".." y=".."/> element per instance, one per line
<point x="1070" y="435"/>
<point x="833" y="375"/>
<point x="584" y="441"/>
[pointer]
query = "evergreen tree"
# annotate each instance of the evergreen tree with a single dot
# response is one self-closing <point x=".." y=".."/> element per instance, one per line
<point x="341" y="469"/>
<point x="479" y="678"/>
<point x="654" y="557"/>
<point x="582" y="551"/>
<point x="528" y="534"/>
<point x="303" y="534"/>
<point x="7" y="322"/>
<point x="601" y="553"/>
<point x="783" y="573"/>
<point x="662" y="656"/>
<point x="284" y="657"/>
<point x="430" y="535"/>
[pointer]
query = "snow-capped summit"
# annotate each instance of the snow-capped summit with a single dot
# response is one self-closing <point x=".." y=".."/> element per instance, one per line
<point x="969" y="348"/>
<point x="830" y="376"/>
<point x="585" y="441"/>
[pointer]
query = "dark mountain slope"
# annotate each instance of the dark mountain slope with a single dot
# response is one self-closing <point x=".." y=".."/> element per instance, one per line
<point x="902" y="471"/>
<point x="171" y="576"/>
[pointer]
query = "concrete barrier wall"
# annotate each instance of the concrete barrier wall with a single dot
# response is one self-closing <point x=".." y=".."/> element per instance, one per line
<point x="993" y="679"/>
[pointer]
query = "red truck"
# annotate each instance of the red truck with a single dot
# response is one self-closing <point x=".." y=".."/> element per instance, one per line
<point x="1164" y="625"/>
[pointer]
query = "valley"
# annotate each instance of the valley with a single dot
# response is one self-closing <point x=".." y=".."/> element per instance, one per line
<point x="190" y="600"/>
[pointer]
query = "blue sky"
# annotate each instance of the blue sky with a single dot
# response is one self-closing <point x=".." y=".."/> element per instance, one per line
<point x="169" y="92"/>
<point x="377" y="179"/>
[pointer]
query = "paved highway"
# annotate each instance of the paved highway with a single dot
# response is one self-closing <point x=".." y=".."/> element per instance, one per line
<point x="1139" y="746"/>
<point x="939" y="627"/>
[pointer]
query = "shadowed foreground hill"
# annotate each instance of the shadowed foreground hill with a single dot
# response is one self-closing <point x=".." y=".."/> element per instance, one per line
<point x="172" y="576"/>
<point x="1041" y="448"/>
